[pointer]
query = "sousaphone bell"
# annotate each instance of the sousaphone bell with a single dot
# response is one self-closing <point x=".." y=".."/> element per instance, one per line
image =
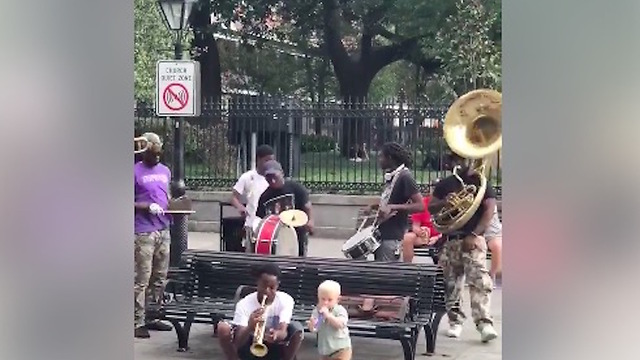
<point x="473" y="130"/>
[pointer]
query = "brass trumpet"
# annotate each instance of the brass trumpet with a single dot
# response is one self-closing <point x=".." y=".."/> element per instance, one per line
<point x="140" y="145"/>
<point x="258" y="348"/>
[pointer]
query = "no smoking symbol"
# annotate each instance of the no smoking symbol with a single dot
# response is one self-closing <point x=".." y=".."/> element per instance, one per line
<point x="175" y="96"/>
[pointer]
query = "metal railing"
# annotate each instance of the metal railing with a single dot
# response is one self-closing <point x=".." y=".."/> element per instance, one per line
<point x="329" y="146"/>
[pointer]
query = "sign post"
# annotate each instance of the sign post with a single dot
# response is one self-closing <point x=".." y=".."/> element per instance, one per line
<point x="178" y="96"/>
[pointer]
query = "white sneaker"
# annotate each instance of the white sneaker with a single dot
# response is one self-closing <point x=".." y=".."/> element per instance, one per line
<point x="454" y="331"/>
<point x="487" y="333"/>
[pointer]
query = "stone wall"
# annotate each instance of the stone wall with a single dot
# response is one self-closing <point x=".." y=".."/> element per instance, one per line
<point x="334" y="214"/>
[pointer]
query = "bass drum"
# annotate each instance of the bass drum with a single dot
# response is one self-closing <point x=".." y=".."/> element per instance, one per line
<point x="265" y="234"/>
<point x="287" y="241"/>
<point x="273" y="237"/>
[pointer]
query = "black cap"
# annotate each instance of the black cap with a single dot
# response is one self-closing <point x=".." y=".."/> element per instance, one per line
<point x="272" y="167"/>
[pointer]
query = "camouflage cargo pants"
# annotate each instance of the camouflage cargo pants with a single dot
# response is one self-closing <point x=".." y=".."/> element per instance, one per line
<point x="151" y="256"/>
<point x="456" y="264"/>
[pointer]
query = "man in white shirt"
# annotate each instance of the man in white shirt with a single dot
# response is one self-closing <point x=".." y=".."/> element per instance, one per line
<point x="248" y="189"/>
<point x="282" y="336"/>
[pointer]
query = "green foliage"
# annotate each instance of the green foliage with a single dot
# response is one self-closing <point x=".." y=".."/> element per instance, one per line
<point x="374" y="33"/>
<point x="471" y="58"/>
<point x="317" y="143"/>
<point x="152" y="42"/>
<point x="399" y="77"/>
<point x="264" y="70"/>
<point x="464" y="34"/>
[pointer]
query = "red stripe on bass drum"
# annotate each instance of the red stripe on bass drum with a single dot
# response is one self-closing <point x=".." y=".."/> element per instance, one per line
<point x="267" y="233"/>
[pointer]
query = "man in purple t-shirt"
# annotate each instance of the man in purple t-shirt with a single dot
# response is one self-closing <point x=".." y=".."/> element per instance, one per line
<point x="152" y="240"/>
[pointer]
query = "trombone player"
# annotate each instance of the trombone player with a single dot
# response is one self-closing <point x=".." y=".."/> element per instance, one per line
<point x="151" y="229"/>
<point x="472" y="131"/>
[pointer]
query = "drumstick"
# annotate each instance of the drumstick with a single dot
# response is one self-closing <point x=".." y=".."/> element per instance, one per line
<point x="179" y="212"/>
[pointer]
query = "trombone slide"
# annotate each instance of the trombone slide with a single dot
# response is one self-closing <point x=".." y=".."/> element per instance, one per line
<point x="140" y="144"/>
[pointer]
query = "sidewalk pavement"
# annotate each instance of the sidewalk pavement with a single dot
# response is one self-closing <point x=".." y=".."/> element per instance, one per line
<point x="162" y="346"/>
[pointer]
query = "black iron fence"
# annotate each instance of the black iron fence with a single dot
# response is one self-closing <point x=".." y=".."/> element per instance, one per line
<point x="329" y="146"/>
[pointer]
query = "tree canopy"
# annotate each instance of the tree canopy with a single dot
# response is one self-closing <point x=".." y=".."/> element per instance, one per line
<point x="349" y="49"/>
<point x="152" y="42"/>
<point x="471" y="58"/>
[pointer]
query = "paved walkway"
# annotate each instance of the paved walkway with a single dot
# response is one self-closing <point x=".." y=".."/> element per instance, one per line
<point x="162" y="346"/>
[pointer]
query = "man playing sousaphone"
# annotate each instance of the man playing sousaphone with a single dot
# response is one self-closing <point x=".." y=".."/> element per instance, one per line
<point x="399" y="198"/>
<point x="463" y="204"/>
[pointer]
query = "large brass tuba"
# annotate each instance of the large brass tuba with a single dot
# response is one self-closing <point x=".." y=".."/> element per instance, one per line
<point x="473" y="130"/>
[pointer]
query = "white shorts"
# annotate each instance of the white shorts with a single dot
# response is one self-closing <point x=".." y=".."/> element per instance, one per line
<point x="495" y="227"/>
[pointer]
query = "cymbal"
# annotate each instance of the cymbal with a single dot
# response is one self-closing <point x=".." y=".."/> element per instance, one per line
<point x="294" y="218"/>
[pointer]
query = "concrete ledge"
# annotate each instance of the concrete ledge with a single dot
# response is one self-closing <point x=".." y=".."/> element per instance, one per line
<point x="334" y="233"/>
<point x="204" y="226"/>
<point x="334" y="214"/>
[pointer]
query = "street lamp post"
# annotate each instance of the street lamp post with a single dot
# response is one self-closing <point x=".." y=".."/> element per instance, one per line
<point x="176" y="15"/>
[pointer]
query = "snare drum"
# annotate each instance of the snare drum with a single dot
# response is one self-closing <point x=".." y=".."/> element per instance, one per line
<point x="362" y="244"/>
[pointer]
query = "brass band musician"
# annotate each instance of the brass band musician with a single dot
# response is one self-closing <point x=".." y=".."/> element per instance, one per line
<point x="248" y="189"/>
<point x="283" y="336"/>
<point x="463" y="205"/>
<point x="399" y="198"/>
<point x="464" y="255"/>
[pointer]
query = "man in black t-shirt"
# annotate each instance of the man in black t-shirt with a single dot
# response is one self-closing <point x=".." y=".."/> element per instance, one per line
<point x="465" y="255"/>
<point x="404" y="199"/>
<point x="284" y="195"/>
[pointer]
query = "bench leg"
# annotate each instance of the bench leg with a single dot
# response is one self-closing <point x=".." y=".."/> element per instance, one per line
<point x="431" y="333"/>
<point x="182" y="331"/>
<point x="429" y="339"/>
<point x="408" y="348"/>
<point x="214" y="322"/>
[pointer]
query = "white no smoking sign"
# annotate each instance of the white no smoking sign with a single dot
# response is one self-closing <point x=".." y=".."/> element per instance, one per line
<point x="178" y="88"/>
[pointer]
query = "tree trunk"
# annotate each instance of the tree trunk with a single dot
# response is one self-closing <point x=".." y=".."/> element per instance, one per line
<point x="207" y="52"/>
<point x="354" y="88"/>
<point x="356" y="72"/>
<point x="323" y="70"/>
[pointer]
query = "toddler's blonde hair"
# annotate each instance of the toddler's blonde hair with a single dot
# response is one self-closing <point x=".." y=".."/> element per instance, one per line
<point x="329" y="287"/>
